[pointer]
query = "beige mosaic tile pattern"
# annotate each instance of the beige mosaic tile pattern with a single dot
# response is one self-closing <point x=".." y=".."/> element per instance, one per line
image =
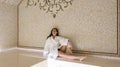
<point x="90" y="24"/>
<point x="10" y="2"/>
<point x="8" y="26"/>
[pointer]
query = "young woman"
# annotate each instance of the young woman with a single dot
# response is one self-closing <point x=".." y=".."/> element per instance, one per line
<point x="57" y="46"/>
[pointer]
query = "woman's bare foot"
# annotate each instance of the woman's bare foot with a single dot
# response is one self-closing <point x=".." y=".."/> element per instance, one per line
<point x="82" y="58"/>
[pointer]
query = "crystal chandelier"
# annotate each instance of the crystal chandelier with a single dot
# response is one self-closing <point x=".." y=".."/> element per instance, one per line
<point x="50" y="6"/>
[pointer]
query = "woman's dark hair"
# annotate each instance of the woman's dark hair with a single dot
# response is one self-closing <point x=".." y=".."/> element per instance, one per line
<point x="52" y="34"/>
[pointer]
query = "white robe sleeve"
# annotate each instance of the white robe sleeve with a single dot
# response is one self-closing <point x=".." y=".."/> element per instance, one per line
<point x="46" y="49"/>
<point x="63" y="41"/>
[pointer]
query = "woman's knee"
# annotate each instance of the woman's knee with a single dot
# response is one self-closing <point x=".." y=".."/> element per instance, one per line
<point x="63" y="48"/>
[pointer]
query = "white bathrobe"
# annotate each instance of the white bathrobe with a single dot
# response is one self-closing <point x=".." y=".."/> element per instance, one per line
<point x="52" y="46"/>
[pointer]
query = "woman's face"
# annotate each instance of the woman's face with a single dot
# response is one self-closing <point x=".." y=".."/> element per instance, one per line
<point x="54" y="32"/>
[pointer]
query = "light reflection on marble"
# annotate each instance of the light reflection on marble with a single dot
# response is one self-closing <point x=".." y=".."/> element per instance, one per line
<point x="18" y="59"/>
<point x="22" y="58"/>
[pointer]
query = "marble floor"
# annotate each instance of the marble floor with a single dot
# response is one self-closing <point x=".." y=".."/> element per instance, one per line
<point x="27" y="58"/>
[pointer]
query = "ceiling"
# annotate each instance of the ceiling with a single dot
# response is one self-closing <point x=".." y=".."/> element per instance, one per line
<point x="11" y="2"/>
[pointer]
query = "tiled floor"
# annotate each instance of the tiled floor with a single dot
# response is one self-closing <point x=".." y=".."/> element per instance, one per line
<point x="22" y="58"/>
<point x="18" y="58"/>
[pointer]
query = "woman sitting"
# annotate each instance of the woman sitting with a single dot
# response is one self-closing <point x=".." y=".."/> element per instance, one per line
<point x="57" y="46"/>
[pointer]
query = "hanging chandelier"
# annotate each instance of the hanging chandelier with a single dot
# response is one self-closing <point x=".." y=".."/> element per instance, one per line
<point x="50" y="6"/>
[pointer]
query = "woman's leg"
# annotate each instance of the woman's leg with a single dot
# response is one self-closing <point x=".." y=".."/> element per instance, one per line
<point x="63" y="55"/>
<point x="63" y="48"/>
<point x="69" y="48"/>
<point x="66" y="49"/>
<point x="69" y="51"/>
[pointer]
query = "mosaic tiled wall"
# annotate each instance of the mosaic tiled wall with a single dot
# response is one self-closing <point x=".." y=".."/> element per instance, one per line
<point x="91" y="25"/>
<point x="8" y="26"/>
